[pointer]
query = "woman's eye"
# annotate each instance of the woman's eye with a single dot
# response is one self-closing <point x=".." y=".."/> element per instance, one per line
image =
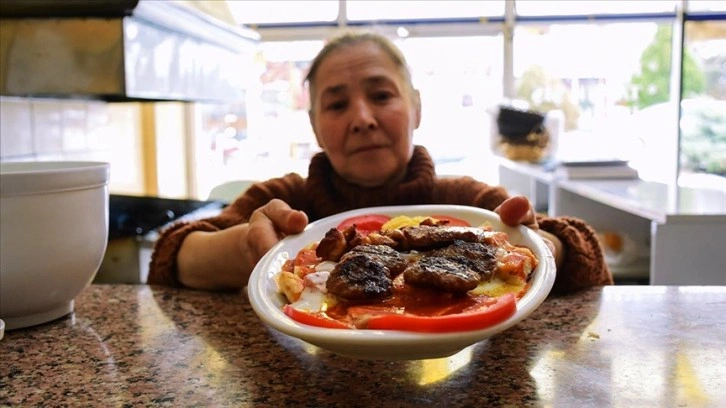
<point x="338" y="105"/>
<point x="382" y="96"/>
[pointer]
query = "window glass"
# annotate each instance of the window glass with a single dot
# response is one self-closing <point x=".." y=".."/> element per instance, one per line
<point x="269" y="134"/>
<point x="220" y="137"/>
<point x="706" y="5"/>
<point x="459" y="79"/>
<point x="589" y="7"/>
<point x="400" y="10"/>
<point x="703" y="108"/>
<point x="279" y="126"/>
<point x="604" y="86"/>
<point x="568" y="72"/>
<point x="251" y="12"/>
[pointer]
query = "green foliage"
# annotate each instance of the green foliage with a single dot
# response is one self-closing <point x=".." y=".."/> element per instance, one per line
<point x="544" y="93"/>
<point x="703" y="133"/>
<point x="652" y="84"/>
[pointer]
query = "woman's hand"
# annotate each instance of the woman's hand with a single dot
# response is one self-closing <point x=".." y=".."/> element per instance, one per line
<point x="225" y="259"/>
<point x="517" y="210"/>
<point x="268" y="225"/>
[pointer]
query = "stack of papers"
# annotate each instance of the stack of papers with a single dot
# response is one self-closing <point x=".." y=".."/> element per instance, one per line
<point x="600" y="169"/>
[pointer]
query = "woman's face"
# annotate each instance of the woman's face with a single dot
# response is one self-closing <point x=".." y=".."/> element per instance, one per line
<point x="364" y="114"/>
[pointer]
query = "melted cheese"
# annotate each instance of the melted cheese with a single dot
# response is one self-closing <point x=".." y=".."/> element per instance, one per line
<point x="496" y="286"/>
<point x="403" y="221"/>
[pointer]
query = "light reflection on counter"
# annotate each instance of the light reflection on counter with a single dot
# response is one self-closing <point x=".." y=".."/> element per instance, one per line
<point x="544" y="372"/>
<point x="424" y="372"/>
<point x="153" y="323"/>
<point x="438" y="369"/>
<point x="155" y="326"/>
<point x="630" y="355"/>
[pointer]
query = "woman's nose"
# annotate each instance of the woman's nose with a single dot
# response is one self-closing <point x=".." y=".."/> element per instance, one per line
<point x="363" y="117"/>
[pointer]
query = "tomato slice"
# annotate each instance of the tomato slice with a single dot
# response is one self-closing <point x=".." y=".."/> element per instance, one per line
<point x="453" y="221"/>
<point x="313" y="319"/>
<point x="365" y="223"/>
<point x="490" y="313"/>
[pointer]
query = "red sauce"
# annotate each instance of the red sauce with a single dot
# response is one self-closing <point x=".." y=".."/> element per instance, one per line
<point x="414" y="300"/>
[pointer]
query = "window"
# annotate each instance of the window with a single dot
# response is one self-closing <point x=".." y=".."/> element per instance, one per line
<point x="601" y="70"/>
<point x="270" y="134"/>
<point x="567" y="71"/>
<point x="703" y="108"/>
<point x="706" y="5"/>
<point x="252" y="12"/>
<point x="592" y="7"/>
<point x="284" y="110"/>
<point x="458" y="87"/>
<point x="421" y="10"/>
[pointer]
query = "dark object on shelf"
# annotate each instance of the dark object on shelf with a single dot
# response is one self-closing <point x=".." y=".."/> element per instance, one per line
<point x="515" y="124"/>
<point x="522" y="134"/>
<point x="138" y="215"/>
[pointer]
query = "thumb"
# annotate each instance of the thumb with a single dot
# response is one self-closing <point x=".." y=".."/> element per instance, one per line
<point x="284" y="219"/>
<point x="517" y="210"/>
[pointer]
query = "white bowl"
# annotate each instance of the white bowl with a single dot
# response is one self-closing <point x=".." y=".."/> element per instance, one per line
<point x="391" y="344"/>
<point x="53" y="234"/>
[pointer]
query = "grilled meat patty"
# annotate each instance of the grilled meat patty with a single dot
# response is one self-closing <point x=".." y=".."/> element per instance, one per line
<point x="451" y="259"/>
<point x="360" y="276"/>
<point x="474" y="255"/>
<point x="441" y="273"/>
<point x="425" y="236"/>
<point x="385" y="255"/>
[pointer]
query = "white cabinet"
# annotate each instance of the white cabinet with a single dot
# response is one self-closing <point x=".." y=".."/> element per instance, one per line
<point x="680" y="232"/>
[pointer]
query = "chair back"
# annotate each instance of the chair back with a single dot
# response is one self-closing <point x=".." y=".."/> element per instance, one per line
<point x="230" y="190"/>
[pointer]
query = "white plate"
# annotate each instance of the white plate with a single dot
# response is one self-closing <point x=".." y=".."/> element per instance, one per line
<point x="392" y="344"/>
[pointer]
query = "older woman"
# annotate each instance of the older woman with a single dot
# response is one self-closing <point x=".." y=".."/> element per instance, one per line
<point x="363" y="111"/>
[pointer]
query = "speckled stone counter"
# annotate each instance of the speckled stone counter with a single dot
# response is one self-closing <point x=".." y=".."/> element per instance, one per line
<point x="129" y="346"/>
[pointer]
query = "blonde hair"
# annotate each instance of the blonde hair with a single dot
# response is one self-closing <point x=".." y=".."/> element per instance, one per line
<point x="349" y="38"/>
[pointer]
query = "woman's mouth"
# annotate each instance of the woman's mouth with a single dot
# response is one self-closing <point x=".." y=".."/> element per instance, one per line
<point x="366" y="149"/>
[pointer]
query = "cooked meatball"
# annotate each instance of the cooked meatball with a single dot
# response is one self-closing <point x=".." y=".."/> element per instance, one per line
<point x="358" y="277"/>
<point x="332" y="246"/>
<point x="442" y="273"/>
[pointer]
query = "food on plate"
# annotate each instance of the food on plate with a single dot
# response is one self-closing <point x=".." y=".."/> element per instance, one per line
<point x="426" y="274"/>
<point x="365" y="223"/>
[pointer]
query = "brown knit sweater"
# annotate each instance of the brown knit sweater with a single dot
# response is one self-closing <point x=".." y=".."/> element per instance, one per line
<point x="324" y="193"/>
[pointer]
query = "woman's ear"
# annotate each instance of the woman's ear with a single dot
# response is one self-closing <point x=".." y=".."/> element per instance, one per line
<point x="417" y="107"/>
<point x="311" y="117"/>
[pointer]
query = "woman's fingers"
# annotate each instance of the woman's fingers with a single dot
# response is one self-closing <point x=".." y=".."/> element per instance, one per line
<point x="271" y="222"/>
<point x="281" y="217"/>
<point x="517" y="210"/>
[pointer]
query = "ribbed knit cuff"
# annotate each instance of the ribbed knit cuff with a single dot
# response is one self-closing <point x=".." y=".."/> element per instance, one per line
<point x="583" y="265"/>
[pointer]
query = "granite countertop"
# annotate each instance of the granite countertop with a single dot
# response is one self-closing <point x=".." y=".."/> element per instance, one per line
<point x="140" y="345"/>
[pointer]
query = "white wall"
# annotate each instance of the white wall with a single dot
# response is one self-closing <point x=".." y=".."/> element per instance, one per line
<point x="53" y="129"/>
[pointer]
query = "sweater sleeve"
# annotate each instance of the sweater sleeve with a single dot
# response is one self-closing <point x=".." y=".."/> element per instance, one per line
<point x="163" y="266"/>
<point x="584" y="264"/>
